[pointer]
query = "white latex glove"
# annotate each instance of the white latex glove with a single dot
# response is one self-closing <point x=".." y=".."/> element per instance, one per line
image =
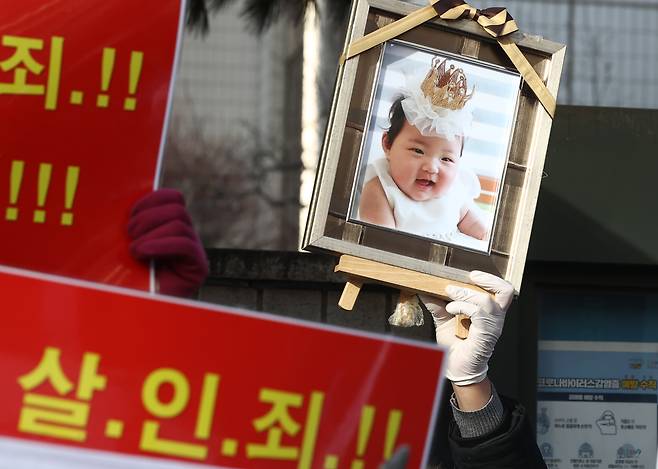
<point x="468" y="359"/>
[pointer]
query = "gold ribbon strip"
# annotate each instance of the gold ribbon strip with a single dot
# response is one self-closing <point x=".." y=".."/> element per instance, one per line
<point x="496" y="21"/>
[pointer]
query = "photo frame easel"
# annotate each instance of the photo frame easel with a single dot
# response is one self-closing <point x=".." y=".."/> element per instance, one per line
<point x="330" y="227"/>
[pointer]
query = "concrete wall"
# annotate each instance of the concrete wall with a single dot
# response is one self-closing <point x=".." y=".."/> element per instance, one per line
<point x="299" y="285"/>
<point x="599" y="199"/>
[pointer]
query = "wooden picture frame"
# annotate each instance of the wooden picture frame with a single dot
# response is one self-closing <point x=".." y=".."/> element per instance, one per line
<point x="332" y="225"/>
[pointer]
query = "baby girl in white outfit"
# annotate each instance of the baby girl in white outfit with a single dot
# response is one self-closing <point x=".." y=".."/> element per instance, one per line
<point x="421" y="187"/>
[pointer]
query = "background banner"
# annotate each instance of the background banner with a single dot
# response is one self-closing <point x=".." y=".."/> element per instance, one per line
<point x="597" y="386"/>
<point x="137" y="376"/>
<point x="85" y="87"/>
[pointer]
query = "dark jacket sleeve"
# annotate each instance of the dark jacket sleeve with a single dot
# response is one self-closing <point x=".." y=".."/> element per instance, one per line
<point x="512" y="445"/>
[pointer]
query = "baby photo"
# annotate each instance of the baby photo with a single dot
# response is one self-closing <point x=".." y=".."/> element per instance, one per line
<point x="436" y="146"/>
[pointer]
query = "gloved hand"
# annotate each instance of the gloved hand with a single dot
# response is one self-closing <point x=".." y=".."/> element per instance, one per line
<point x="468" y="359"/>
<point x="162" y="231"/>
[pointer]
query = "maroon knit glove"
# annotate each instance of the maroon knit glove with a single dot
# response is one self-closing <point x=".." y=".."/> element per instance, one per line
<point x="162" y="231"/>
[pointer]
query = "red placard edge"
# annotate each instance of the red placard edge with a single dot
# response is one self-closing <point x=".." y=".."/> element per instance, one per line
<point x="197" y="304"/>
<point x="165" y="124"/>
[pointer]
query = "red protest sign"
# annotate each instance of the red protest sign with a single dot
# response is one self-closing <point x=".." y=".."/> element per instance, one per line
<point x="84" y="92"/>
<point x="99" y="368"/>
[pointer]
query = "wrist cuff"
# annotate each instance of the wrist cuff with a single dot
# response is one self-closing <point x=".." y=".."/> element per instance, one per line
<point x="479" y="422"/>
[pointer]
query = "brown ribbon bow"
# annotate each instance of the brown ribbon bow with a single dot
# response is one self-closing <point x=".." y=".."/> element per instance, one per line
<point x="496" y="21"/>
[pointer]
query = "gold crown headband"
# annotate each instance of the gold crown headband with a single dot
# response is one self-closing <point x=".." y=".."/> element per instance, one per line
<point x="437" y="105"/>
<point x="446" y="88"/>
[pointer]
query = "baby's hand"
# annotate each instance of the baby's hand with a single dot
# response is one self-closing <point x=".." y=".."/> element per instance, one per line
<point x="471" y="224"/>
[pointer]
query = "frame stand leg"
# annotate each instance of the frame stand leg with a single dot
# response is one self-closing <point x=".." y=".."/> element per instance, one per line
<point x="350" y="293"/>
<point x="407" y="281"/>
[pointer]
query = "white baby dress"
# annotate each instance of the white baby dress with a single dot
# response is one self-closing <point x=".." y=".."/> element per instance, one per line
<point x="434" y="218"/>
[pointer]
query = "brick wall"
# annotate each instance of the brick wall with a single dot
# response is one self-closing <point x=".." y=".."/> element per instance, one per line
<point x="303" y="286"/>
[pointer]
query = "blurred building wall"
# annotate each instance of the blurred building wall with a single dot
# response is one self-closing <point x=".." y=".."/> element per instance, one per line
<point x="234" y="140"/>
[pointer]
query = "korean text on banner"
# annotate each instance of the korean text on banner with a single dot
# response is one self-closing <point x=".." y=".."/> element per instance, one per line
<point x="85" y="88"/>
<point x="99" y="368"/>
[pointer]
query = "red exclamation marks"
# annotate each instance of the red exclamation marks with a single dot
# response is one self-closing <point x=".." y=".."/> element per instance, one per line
<point x="109" y="54"/>
<point x="365" y="427"/>
<point x="392" y="431"/>
<point x="136" y="61"/>
<point x="72" y="176"/>
<point x="15" y="179"/>
<point x="45" y="170"/>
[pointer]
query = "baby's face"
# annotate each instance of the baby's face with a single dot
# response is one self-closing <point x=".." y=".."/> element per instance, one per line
<point x="423" y="168"/>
